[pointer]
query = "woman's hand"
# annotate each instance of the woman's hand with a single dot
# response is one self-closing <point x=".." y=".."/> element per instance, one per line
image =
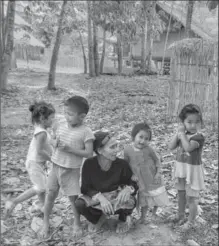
<point x="105" y="205"/>
<point x="124" y="195"/>
<point x="134" y="178"/>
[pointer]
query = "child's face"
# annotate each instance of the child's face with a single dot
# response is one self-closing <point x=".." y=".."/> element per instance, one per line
<point x="141" y="139"/>
<point x="49" y="121"/>
<point x="72" y="116"/>
<point x="192" y="123"/>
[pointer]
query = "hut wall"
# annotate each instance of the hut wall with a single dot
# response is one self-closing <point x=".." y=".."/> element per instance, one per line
<point x="22" y="51"/>
<point x="194" y="79"/>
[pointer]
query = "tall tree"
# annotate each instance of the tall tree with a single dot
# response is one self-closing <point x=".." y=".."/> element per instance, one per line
<point x="103" y="50"/>
<point x="190" y="7"/>
<point x="6" y="40"/>
<point x="119" y="52"/>
<point x="143" y="36"/>
<point x="83" y="51"/>
<point x="150" y="33"/>
<point x="95" y="43"/>
<point x="90" y="40"/>
<point x="54" y="58"/>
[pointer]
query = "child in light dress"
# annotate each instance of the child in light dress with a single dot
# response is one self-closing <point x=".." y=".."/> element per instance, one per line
<point x="145" y="165"/>
<point x="39" y="153"/>
<point x="188" y="169"/>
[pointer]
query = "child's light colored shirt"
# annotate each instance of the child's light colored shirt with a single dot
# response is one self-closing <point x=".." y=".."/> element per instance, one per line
<point x="32" y="152"/>
<point x="143" y="164"/>
<point x="76" y="137"/>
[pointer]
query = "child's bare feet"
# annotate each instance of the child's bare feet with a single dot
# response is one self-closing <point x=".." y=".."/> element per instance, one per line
<point x="9" y="207"/>
<point x="37" y="207"/>
<point x="175" y="218"/>
<point x="77" y="230"/>
<point x="143" y="220"/>
<point x="96" y="227"/>
<point x="45" y="230"/>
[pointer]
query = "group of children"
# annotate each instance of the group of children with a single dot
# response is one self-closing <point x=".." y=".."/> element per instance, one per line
<point x="73" y="141"/>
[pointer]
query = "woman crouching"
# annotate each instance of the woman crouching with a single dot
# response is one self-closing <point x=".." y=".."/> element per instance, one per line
<point x="106" y="186"/>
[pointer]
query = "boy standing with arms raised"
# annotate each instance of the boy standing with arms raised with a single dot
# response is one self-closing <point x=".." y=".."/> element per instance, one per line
<point x="74" y="141"/>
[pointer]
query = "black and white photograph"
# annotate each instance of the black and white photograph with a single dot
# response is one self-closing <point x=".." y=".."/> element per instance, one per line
<point x="109" y="123"/>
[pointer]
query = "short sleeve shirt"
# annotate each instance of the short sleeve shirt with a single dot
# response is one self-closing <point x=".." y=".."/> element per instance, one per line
<point x="76" y="137"/>
<point x="194" y="157"/>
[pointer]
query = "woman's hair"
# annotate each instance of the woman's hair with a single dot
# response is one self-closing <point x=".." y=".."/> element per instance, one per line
<point x="39" y="109"/>
<point x="141" y="127"/>
<point x="190" y="109"/>
<point x="79" y="102"/>
<point x="101" y="138"/>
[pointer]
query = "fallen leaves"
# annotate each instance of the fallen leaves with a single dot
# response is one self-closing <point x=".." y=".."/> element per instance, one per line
<point x="4" y="228"/>
<point x="116" y="104"/>
<point x="36" y="224"/>
<point x="192" y="243"/>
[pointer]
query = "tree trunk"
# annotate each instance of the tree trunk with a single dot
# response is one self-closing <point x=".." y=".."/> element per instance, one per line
<point x="83" y="51"/>
<point x="1" y="28"/>
<point x="90" y="41"/>
<point x="95" y="47"/>
<point x="189" y="18"/>
<point x="8" y="37"/>
<point x="54" y="58"/>
<point x="165" y="45"/>
<point x="150" y="29"/>
<point x="103" y="51"/>
<point x="144" y="39"/>
<point x="119" y="53"/>
<point x="13" y="64"/>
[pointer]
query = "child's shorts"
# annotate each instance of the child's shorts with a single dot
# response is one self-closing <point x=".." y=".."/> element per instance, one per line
<point x="65" y="178"/>
<point x="37" y="173"/>
<point x="181" y="185"/>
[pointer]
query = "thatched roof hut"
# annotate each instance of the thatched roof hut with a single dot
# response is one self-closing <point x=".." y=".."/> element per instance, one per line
<point x="194" y="77"/>
<point x="23" y="37"/>
<point x="180" y="15"/>
<point x="200" y="48"/>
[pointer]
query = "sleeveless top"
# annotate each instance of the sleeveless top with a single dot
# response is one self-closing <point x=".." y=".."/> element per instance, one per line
<point x="144" y="165"/>
<point x="32" y="152"/>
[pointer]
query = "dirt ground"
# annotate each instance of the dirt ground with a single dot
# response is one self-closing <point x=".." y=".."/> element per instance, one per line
<point x="116" y="104"/>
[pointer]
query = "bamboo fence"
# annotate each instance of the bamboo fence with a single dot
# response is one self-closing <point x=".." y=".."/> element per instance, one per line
<point x="194" y="78"/>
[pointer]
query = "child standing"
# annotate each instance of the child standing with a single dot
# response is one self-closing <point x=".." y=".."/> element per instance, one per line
<point x="188" y="169"/>
<point x="39" y="152"/>
<point x="145" y="166"/>
<point x="74" y="141"/>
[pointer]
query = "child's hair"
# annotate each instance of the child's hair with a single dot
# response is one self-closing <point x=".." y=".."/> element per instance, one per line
<point x="79" y="102"/>
<point x="190" y="109"/>
<point x="141" y="127"/>
<point x="39" y="109"/>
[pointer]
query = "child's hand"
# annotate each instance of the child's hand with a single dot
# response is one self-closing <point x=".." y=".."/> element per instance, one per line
<point x="60" y="144"/>
<point x="157" y="178"/>
<point x="53" y="142"/>
<point x="134" y="178"/>
<point x="181" y="128"/>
